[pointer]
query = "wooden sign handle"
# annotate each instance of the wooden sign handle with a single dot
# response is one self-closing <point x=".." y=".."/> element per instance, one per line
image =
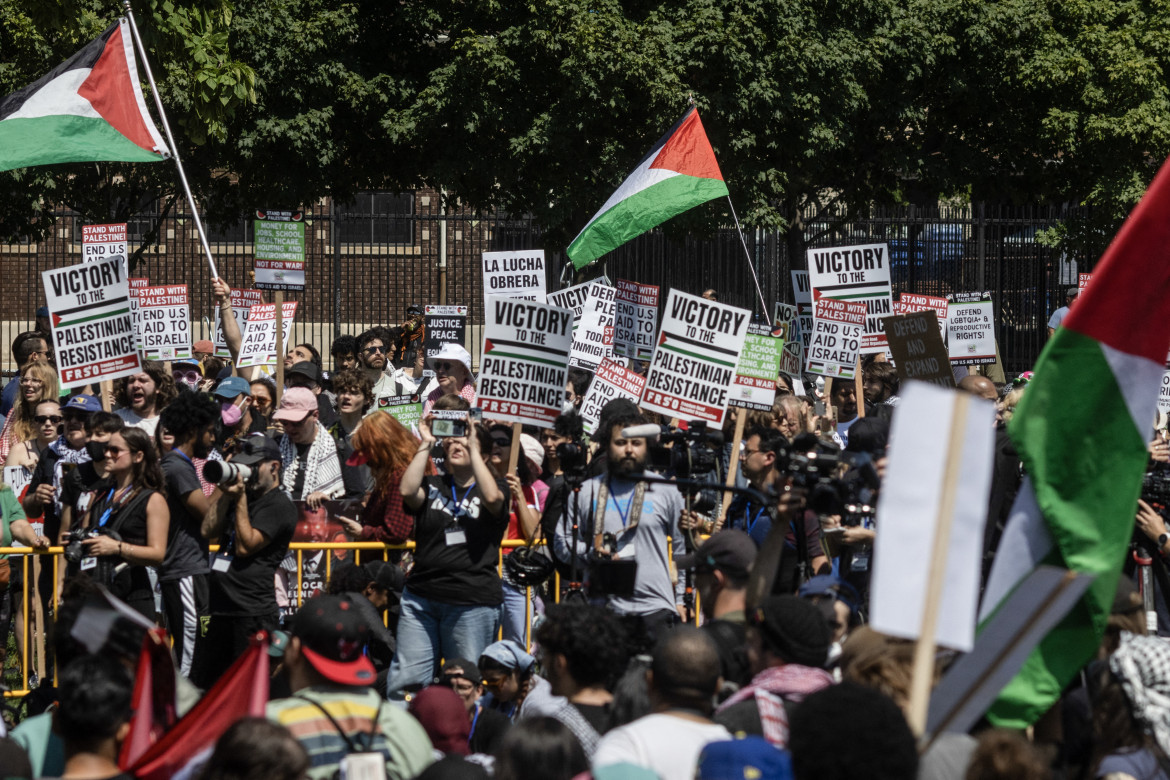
<point x="732" y="467"/>
<point x="278" y="338"/>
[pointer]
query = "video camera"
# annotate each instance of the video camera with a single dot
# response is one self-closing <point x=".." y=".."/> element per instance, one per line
<point x="1156" y="487"/>
<point x="836" y="482"/>
<point x="693" y="452"/>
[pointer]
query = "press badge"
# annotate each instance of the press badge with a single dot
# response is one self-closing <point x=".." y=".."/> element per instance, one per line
<point x="363" y="766"/>
<point x="88" y="563"/>
<point x="221" y="562"/>
<point x="456" y="536"/>
<point x="860" y="561"/>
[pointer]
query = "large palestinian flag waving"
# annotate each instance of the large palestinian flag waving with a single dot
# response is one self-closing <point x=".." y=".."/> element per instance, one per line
<point x="680" y="172"/>
<point x="88" y="108"/>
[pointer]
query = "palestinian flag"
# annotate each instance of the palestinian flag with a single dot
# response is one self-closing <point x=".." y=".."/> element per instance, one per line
<point x="1081" y="430"/>
<point x="680" y="172"/>
<point x="89" y="108"/>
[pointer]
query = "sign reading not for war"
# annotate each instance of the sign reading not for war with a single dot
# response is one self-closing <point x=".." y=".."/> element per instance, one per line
<point x="524" y="361"/>
<point x="514" y="275"/>
<point x="754" y="386"/>
<point x="918" y="349"/>
<point x="90" y="321"/>
<point x="279" y="250"/>
<point x="259" y="347"/>
<point x="611" y="380"/>
<point x="856" y="273"/>
<point x="635" y="319"/>
<point x="836" y="338"/>
<point x="105" y="242"/>
<point x="694" y="361"/>
<point x="165" y="318"/>
<point x="242" y="303"/>
<point x="971" y="328"/>
<point x="443" y="325"/>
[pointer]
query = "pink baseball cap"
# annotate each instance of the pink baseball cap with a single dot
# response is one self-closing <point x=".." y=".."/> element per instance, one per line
<point x="296" y="404"/>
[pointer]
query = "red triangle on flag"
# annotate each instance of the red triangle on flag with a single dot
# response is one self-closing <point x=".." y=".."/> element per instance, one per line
<point x="688" y="151"/>
<point x="488" y="346"/>
<point x="56" y="320"/>
<point x="110" y="91"/>
<point x="661" y="338"/>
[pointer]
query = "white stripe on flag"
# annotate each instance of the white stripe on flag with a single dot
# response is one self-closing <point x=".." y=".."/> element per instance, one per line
<point x="58" y="97"/>
<point x="1025" y="543"/>
<point x="642" y="178"/>
<point x="1138" y="379"/>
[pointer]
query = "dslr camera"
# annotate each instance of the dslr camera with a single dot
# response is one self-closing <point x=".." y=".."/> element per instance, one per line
<point x="220" y="472"/>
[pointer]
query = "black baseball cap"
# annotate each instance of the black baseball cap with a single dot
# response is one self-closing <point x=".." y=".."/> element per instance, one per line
<point x="333" y="637"/>
<point x="257" y="448"/>
<point x="461" y="667"/>
<point x="414" y="308"/>
<point x="305" y="369"/>
<point x="730" y="550"/>
<point x="385" y="575"/>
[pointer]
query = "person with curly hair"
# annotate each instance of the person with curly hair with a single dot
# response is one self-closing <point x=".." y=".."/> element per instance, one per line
<point x="584" y="651"/>
<point x="143" y="396"/>
<point x="355" y="396"/>
<point x="387" y="448"/>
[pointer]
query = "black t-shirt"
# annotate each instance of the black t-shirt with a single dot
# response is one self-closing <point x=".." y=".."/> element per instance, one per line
<point x="302" y="458"/>
<point x="598" y="715"/>
<point x="78" y="482"/>
<point x="248" y="587"/>
<point x="186" y="547"/>
<point x="489" y="727"/>
<point x="463" y="573"/>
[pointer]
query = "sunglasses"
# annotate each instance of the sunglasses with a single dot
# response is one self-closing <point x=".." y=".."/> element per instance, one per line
<point x="445" y="366"/>
<point x="116" y="450"/>
<point x="373" y="350"/>
<point x="44" y="418"/>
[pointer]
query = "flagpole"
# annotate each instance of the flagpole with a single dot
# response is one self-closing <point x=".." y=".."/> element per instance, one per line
<point x="747" y="254"/>
<point x="171" y="140"/>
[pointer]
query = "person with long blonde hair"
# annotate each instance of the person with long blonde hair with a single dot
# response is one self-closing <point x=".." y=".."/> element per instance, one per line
<point x="387" y="447"/>
<point x="38" y="382"/>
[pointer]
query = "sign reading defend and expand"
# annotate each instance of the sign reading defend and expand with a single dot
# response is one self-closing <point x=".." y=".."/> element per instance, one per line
<point x="443" y="325"/>
<point x="514" y="275"/>
<point x="242" y="303"/>
<point x="259" y="347"/>
<point x="918" y="349"/>
<point x="524" y="361"/>
<point x="90" y="321"/>
<point x="165" y="316"/>
<point x="635" y="319"/>
<point x="856" y="273"/>
<point x="279" y="250"/>
<point x="836" y="339"/>
<point x="971" y="328"/>
<point x="611" y="380"/>
<point x="694" y="361"/>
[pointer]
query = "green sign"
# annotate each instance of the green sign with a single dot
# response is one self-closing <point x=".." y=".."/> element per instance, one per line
<point x="405" y="408"/>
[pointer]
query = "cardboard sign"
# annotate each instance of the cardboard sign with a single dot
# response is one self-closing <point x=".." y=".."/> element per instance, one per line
<point x="802" y="295"/>
<point x="856" y="273"/>
<point x="694" y="361"/>
<point x="788" y="320"/>
<point x="1083" y="282"/>
<point x="93" y="331"/>
<point x="524" y="360"/>
<point x="754" y="386"/>
<point x="443" y="325"/>
<point x="593" y="330"/>
<point x="137" y="284"/>
<point x="242" y="303"/>
<point x="971" y="329"/>
<point x="838" y="328"/>
<point x="105" y="242"/>
<point x="259" y="347"/>
<point x="165" y="314"/>
<point x="611" y="380"/>
<point x="406" y="409"/>
<point x="635" y="319"/>
<point x="514" y="275"/>
<point x="918" y="349"/>
<point x="279" y="250"/>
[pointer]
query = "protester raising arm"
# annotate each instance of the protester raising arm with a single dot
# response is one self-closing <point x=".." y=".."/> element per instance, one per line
<point x="231" y="328"/>
<point x="413" y="494"/>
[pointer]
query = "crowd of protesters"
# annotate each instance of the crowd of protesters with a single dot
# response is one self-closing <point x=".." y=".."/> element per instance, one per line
<point x="611" y="634"/>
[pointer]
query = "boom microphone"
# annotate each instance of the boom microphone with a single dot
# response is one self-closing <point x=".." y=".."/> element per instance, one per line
<point x="645" y="431"/>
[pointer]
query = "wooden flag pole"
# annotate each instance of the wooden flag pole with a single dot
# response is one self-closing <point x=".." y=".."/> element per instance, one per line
<point x="105" y="390"/>
<point x="859" y="389"/>
<point x="923" y="674"/>
<point x="278" y="339"/>
<point x="733" y="466"/>
<point x="514" y="452"/>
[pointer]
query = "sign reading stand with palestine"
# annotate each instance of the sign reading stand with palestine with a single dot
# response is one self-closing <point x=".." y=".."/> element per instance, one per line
<point x="514" y="275"/>
<point x="242" y="303"/>
<point x="279" y="250"/>
<point x="611" y="380"/>
<point x="754" y="386"/>
<point x="856" y="273"/>
<point x="165" y="316"/>
<point x="406" y="409"/>
<point x="836" y="338"/>
<point x="443" y="325"/>
<point x="635" y="319"/>
<point x="259" y="347"/>
<point x="93" y="332"/>
<point x="105" y="242"/>
<point x="971" y="329"/>
<point x="694" y="361"/>
<point x="524" y="361"/>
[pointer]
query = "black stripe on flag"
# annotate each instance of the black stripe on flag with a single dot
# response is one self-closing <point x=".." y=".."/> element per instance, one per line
<point x="702" y="345"/>
<point x="92" y="306"/>
<point x="530" y="347"/>
<point x="86" y="58"/>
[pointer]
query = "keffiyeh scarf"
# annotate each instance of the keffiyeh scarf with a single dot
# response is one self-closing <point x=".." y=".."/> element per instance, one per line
<point x="1142" y="666"/>
<point x="322" y="468"/>
<point x="771" y="687"/>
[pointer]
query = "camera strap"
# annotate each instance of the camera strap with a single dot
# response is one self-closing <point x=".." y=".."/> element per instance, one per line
<point x="635" y="510"/>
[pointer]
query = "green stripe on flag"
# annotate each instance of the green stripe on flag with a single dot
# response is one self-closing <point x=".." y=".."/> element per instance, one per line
<point x="65" y="138"/>
<point x="697" y="355"/>
<point x="100" y="316"/>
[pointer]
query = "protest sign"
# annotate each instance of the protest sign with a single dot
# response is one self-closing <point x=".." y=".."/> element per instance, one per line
<point x="259" y="347"/>
<point x="593" y="330"/>
<point x="837" y="333"/>
<point x="635" y="319"/>
<point x="17" y="478"/>
<point x="443" y="325"/>
<point x="91" y="324"/>
<point x="242" y="303"/>
<point x="792" y="361"/>
<point x="525" y="360"/>
<point x="571" y="298"/>
<point x="514" y="275"/>
<point x="754" y="386"/>
<point x="1083" y="282"/>
<point x="856" y="273"/>
<point x="970" y="329"/>
<point x="106" y="242"/>
<point x="611" y="380"/>
<point x="279" y="250"/>
<point x="918" y="349"/>
<point x="165" y="316"/>
<point x="1164" y="393"/>
<point x="802" y="296"/>
<point x="911" y="302"/>
<point x="137" y="284"/>
<point x="407" y="409"/>
<point x="694" y="360"/>
<point x="317" y="526"/>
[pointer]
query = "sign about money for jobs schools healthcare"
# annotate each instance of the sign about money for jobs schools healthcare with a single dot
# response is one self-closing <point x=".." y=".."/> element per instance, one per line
<point x="524" y="361"/>
<point x="971" y="329"/>
<point x="279" y="250"/>
<point x="611" y="380"/>
<point x="514" y="275"/>
<point x="165" y="316"/>
<point x="259" y="347"/>
<point x="443" y="325"/>
<point x="694" y="361"/>
<point x="836" y="339"/>
<point x="635" y="319"/>
<point x="856" y="273"/>
<point x="90" y="321"/>
<point x="789" y="321"/>
<point x="105" y="242"/>
<point x="754" y="386"/>
<point x="242" y="303"/>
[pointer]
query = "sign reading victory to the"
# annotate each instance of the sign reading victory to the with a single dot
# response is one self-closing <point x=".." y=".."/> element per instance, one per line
<point x="856" y="273"/>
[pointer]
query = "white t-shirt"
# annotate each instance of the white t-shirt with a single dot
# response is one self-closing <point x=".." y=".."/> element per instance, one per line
<point x="147" y="424"/>
<point x="667" y="745"/>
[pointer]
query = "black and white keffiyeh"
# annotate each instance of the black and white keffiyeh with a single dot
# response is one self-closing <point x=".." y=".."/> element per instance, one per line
<point x="322" y="468"/>
<point x="1142" y="666"/>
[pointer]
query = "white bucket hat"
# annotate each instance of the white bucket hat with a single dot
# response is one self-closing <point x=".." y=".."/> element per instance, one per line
<point x="455" y="353"/>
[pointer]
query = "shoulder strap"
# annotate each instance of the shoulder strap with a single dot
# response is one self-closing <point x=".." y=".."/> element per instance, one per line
<point x="349" y="743"/>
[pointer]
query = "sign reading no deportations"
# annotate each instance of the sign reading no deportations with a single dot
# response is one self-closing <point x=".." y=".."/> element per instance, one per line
<point x="524" y="360"/>
<point x="93" y="332"/>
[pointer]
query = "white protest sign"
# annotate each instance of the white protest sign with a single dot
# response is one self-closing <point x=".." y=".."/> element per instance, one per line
<point x="514" y="275"/>
<point x="278" y="250"/>
<point x="259" y="347"/>
<point x="611" y="380"/>
<point x="91" y="324"/>
<point x="970" y="329"/>
<point x="105" y="242"/>
<point x="635" y="319"/>
<point x="593" y="332"/>
<point x="837" y="332"/>
<point x="443" y="325"/>
<point x="1164" y="393"/>
<point x="242" y="303"/>
<point x="754" y="386"/>
<point x="694" y="360"/>
<point x="571" y="298"/>
<point x="802" y="296"/>
<point x="524" y="362"/>
<point x="856" y="273"/>
<point x="165" y="322"/>
<point x="17" y="478"/>
<point x="909" y="508"/>
<point x="789" y="321"/>
<point x="137" y="284"/>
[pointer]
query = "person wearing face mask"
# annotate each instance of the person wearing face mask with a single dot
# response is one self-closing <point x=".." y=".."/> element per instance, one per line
<point x="187" y="373"/>
<point x="254" y="522"/>
<point x="238" y="416"/>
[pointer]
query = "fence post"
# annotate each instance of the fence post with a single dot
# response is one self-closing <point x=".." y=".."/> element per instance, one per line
<point x="335" y="237"/>
<point x="981" y="244"/>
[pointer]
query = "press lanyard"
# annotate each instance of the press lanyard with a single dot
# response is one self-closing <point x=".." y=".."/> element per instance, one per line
<point x="470" y="734"/>
<point x="750" y="524"/>
<point x="458" y="501"/>
<point x="110" y="506"/>
<point x="624" y="514"/>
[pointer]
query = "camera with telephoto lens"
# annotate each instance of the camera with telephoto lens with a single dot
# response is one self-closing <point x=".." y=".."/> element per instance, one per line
<point x="74" y="550"/>
<point x="574" y="460"/>
<point x="850" y="492"/>
<point x="219" y="472"/>
<point x="1156" y="487"/>
<point x="694" y="451"/>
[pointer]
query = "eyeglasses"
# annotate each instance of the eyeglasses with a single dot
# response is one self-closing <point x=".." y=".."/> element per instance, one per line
<point x="44" y="418"/>
<point x="373" y="350"/>
<point x="748" y="453"/>
<point x="31" y="381"/>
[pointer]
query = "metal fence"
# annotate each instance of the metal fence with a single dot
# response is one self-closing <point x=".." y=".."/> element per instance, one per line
<point x="369" y="260"/>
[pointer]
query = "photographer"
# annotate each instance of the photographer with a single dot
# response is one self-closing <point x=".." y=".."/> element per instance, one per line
<point x="1152" y="525"/>
<point x="254" y="521"/>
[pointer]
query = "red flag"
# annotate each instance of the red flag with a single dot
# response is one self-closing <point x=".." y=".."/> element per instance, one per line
<point x="242" y="692"/>
<point x="154" y="697"/>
